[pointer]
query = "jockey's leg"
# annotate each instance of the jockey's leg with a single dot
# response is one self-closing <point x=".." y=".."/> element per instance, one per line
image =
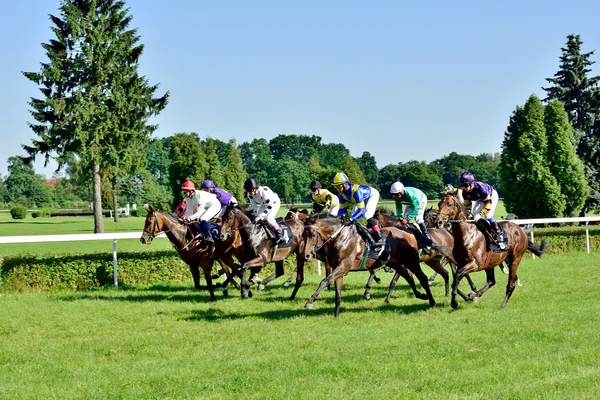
<point x="206" y="231"/>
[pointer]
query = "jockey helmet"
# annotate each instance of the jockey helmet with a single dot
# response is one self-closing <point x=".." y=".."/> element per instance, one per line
<point x="397" y="187"/>
<point x="207" y="184"/>
<point x="314" y="185"/>
<point x="188" y="185"/>
<point x="466" y="178"/>
<point x="250" y="184"/>
<point x="339" y="179"/>
<point x="448" y="189"/>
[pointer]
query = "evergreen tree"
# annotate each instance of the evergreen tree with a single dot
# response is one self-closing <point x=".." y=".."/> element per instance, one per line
<point x="96" y="105"/>
<point x="187" y="163"/>
<point x="215" y="170"/>
<point x="581" y="98"/>
<point x="531" y="191"/>
<point x="352" y="170"/>
<point x="369" y="168"/>
<point x="566" y="167"/>
<point x="234" y="174"/>
<point x="257" y="159"/>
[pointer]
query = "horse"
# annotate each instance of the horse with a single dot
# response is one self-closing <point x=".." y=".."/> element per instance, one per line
<point x="259" y="248"/>
<point x="438" y="259"/>
<point x="344" y="253"/>
<point x="471" y="253"/>
<point x="195" y="254"/>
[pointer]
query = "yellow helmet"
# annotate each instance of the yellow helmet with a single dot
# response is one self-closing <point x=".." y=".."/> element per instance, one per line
<point x="339" y="179"/>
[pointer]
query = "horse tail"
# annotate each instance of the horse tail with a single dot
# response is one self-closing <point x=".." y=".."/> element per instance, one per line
<point x="538" y="251"/>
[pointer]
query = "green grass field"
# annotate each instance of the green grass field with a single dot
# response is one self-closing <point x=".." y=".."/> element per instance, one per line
<point x="171" y="342"/>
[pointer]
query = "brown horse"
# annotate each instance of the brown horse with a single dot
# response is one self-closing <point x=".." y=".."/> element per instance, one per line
<point x="345" y="249"/>
<point x="443" y="242"/>
<point x="259" y="249"/>
<point x="471" y="254"/>
<point x="194" y="253"/>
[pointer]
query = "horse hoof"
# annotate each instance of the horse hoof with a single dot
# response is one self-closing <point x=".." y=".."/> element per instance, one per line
<point x="454" y="304"/>
<point x="225" y="292"/>
<point x="367" y="297"/>
<point x="261" y="287"/>
<point x="286" y="284"/>
<point x="309" y="306"/>
<point x="475" y="299"/>
<point x="432" y="303"/>
<point x="250" y="293"/>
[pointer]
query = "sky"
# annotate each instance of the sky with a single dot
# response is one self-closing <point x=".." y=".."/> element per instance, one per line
<point x="401" y="80"/>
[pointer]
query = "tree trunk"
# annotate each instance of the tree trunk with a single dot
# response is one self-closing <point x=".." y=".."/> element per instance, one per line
<point x="115" y="202"/>
<point x="98" y="221"/>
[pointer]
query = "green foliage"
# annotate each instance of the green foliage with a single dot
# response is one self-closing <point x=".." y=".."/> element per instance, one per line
<point x="188" y="162"/>
<point x="530" y="189"/>
<point x="159" y="196"/>
<point x="257" y="160"/>
<point x="34" y="273"/>
<point x="565" y="166"/>
<point x="234" y="174"/>
<point x="26" y="187"/>
<point x="581" y="96"/>
<point x="423" y="176"/>
<point x="291" y="181"/>
<point x="18" y="212"/>
<point x="158" y="159"/>
<point x="215" y="170"/>
<point x="353" y="171"/>
<point x="368" y="164"/>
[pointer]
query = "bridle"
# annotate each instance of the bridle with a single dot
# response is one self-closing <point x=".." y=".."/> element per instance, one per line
<point x="320" y="236"/>
<point x="155" y="230"/>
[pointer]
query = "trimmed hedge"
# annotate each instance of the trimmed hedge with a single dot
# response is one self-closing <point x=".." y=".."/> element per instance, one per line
<point x="18" y="212"/>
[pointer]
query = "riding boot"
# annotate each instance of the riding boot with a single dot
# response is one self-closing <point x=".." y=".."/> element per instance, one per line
<point x="280" y="238"/>
<point x="206" y="232"/>
<point x="366" y="236"/>
<point x="499" y="238"/>
<point x="426" y="246"/>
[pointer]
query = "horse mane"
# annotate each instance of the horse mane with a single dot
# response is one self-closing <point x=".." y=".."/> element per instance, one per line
<point x="385" y="211"/>
<point x="322" y="215"/>
<point x="172" y="216"/>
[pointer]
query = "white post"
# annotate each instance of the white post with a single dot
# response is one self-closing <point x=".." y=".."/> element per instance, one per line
<point x="116" y="280"/>
<point x="587" y="237"/>
<point x="319" y="267"/>
<point x="531" y="233"/>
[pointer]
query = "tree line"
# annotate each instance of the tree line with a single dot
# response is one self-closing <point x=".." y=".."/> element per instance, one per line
<point x="93" y="118"/>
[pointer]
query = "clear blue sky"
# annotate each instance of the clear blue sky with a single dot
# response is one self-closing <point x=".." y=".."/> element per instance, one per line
<point x="401" y="80"/>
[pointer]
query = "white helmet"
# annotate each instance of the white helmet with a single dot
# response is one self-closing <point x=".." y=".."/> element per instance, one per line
<point x="397" y="187"/>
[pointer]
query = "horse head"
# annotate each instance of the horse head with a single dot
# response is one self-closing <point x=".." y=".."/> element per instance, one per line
<point x="449" y="208"/>
<point x="233" y="219"/>
<point x="151" y="226"/>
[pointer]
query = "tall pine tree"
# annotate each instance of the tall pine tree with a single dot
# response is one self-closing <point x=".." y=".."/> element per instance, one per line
<point x="95" y="105"/>
<point x="530" y="189"/>
<point x="581" y="96"/>
<point x="215" y="170"/>
<point x="564" y="164"/>
<point x="234" y="174"/>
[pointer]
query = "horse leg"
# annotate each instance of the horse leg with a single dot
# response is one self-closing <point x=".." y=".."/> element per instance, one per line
<point x="418" y="272"/>
<point x="324" y="283"/>
<point x="367" y="294"/>
<point x="512" y="279"/>
<point x="392" y="286"/>
<point x="278" y="272"/>
<point x="338" y="295"/>
<point x="299" y="275"/>
<point x="432" y="278"/>
<point x="290" y="279"/>
<point x="402" y="271"/>
<point x="438" y="267"/>
<point x="195" y="271"/>
<point x="457" y="275"/>
<point x="491" y="281"/>
<point x="207" y="269"/>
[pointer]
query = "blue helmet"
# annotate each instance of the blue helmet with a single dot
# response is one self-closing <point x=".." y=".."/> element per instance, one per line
<point x="207" y="184"/>
<point x="466" y="178"/>
<point x="339" y="179"/>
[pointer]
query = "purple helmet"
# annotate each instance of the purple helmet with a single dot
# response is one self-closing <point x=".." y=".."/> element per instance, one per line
<point x="466" y="178"/>
<point x="207" y="184"/>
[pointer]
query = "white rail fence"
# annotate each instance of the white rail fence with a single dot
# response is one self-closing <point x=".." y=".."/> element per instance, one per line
<point x="526" y="223"/>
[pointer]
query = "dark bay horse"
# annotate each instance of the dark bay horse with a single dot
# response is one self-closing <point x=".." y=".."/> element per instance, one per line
<point x="259" y="249"/>
<point x="345" y="249"/>
<point x="442" y="247"/>
<point x="470" y="249"/>
<point x="195" y="254"/>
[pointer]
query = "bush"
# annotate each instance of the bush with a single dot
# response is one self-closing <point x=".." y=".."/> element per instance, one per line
<point x="35" y="214"/>
<point x="18" y="212"/>
<point x="135" y="213"/>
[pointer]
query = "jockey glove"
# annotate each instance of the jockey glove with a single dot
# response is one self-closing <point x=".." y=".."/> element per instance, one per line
<point x="404" y="221"/>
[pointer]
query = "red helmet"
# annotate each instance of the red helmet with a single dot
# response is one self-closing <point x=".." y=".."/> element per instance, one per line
<point x="188" y="185"/>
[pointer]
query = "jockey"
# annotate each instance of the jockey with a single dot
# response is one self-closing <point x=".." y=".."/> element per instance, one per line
<point x="202" y="206"/>
<point x="364" y="201"/>
<point x="481" y="200"/>
<point x="265" y="204"/>
<point x="226" y="198"/>
<point x="323" y="199"/>
<point x="452" y="191"/>
<point x="416" y="203"/>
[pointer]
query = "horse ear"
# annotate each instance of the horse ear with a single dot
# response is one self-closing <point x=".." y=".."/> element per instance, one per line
<point x="148" y="208"/>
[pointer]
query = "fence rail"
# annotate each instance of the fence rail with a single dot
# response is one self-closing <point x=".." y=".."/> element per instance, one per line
<point x="526" y="223"/>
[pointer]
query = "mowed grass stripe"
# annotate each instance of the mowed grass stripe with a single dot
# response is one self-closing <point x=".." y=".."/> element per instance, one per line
<point x="171" y="342"/>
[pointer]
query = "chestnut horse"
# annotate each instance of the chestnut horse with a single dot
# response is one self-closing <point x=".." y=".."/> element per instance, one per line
<point x="470" y="249"/>
<point x="441" y="237"/>
<point x="195" y="254"/>
<point x="345" y="249"/>
<point x="259" y="249"/>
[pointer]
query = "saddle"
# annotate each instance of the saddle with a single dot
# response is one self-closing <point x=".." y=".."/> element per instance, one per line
<point x="271" y="235"/>
<point x="195" y="231"/>
<point x="491" y="237"/>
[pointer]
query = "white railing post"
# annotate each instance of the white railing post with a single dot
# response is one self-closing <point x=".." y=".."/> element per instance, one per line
<point x="319" y="267"/>
<point x="587" y="237"/>
<point x="115" y="276"/>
